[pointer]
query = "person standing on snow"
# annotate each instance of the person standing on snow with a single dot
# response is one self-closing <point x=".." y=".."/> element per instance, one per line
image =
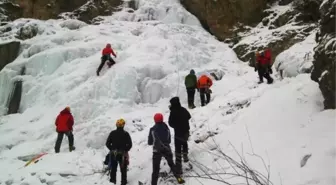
<point x="159" y="136"/>
<point x="119" y="143"/>
<point x="263" y="66"/>
<point x="179" y="120"/>
<point x="191" y="85"/>
<point x="204" y="83"/>
<point x="64" y="123"/>
<point x="106" y="55"/>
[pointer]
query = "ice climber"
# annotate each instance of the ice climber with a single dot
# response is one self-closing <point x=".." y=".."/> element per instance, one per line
<point x="160" y="138"/>
<point x="119" y="143"/>
<point x="106" y="55"/>
<point x="204" y="83"/>
<point x="179" y="120"/>
<point x="64" y="123"/>
<point x="191" y="86"/>
<point x="263" y="66"/>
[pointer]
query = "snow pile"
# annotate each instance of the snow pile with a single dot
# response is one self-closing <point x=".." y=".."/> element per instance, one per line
<point x="73" y="24"/>
<point x="285" y="120"/>
<point x="27" y="28"/>
<point x="297" y="59"/>
<point x="169" y="11"/>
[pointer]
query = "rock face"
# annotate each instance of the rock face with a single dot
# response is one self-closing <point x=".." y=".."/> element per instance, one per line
<point x="93" y="9"/>
<point x="8" y="53"/>
<point x="325" y="54"/>
<point x="247" y="52"/>
<point x="220" y="17"/>
<point x="308" y="10"/>
<point x="85" y="10"/>
<point x="10" y="11"/>
<point x="231" y="20"/>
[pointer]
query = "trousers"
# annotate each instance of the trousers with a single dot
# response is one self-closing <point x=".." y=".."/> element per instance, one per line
<point x="60" y="136"/>
<point x="157" y="156"/>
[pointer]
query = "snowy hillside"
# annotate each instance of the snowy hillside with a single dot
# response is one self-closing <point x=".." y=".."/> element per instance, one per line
<point x="156" y="47"/>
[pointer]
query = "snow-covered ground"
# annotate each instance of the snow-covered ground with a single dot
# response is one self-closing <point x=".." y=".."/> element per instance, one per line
<point x="282" y="122"/>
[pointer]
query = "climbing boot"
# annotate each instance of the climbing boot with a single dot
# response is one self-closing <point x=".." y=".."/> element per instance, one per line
<point x="185" y="158"/>
<point x="72" y="148"/>
<point x="180" y="180"/>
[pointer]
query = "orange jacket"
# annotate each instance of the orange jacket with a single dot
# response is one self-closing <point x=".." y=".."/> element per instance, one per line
<point x="204" y="82"/>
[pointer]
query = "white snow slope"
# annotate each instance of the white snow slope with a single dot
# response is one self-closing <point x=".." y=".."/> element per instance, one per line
<point x="297" y="59"/>
<point x="282" y="122"/>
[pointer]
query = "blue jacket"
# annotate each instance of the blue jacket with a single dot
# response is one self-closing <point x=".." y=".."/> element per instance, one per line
<point x="159" y="137"/>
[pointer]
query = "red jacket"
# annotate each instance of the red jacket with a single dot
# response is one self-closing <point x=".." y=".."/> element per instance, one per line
<point x="266" y="59"/>
<point x="64" y="121"/>
<point x="108" y="50"/>
<point x="204" y="82"/>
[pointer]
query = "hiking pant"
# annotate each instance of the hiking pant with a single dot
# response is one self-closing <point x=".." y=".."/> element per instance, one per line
<point x="103" y="60"/>
<point x="191" y="96"/>
<point x="263" y="72"/>
<point x="181" y="150"/>
<point x="60" y="138"/>
<point x="168" y="155"/>
<point x="204" y="92"/>
<point x="115" y="160"/>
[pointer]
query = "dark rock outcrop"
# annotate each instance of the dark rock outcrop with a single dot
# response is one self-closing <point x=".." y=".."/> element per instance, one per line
<point x="325" y="53"/>
<point x="96" y="8"/>
<point x="84" y="10"/>
<point x="8" y="53"/>
<point x="27" y="31"/>
<point x="302" y="14"/>
<point x="230" y="20"/>
<point x="15" y="96"/>
<point x="285" y="2"/>
<point x="10" y="11"/>
<point x="221" y="17"/>
<point x="308" y="10"/>
<point x="247" y="52"/>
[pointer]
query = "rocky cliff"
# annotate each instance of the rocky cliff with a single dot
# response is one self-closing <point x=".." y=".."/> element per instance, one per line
<point x="325" y="54"/>
<point x="84" y="10"/>
<point x="222" y="17"/>
<point x="252" y="25"/>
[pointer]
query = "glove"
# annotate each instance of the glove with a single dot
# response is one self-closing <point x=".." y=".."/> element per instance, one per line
<point x="270" y="71"/>
<point x="255" y="69"/>
<point x="197" y="89"/>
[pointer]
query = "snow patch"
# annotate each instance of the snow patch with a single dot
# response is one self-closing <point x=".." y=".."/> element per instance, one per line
<point x="72" y="24"/>
<point x="297" y="59"/>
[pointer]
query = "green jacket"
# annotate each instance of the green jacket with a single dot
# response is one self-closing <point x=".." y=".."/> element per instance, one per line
<point x="190" y="81"/>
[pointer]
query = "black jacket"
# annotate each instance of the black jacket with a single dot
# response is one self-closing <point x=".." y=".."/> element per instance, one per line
<point x="119" y="140"/>
<point x="179" y="117"/>
<point x="159" y="137"/>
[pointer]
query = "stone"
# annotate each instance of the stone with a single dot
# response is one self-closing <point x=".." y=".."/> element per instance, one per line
<point x="28" y="31"/>
<point x="325" y="53"/>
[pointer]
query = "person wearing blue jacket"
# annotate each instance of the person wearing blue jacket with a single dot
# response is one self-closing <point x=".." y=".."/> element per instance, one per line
<point x="159" y="136"/>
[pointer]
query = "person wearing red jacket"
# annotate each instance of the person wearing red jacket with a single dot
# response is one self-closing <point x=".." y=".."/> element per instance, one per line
<point x="64" y="123"/>
<point x="263" y="66"/>
<point x="203" y="86"/>
<point x="106" y="55"/>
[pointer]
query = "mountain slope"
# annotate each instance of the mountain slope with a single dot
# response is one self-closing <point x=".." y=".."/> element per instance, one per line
<point x="156" y="46"/>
